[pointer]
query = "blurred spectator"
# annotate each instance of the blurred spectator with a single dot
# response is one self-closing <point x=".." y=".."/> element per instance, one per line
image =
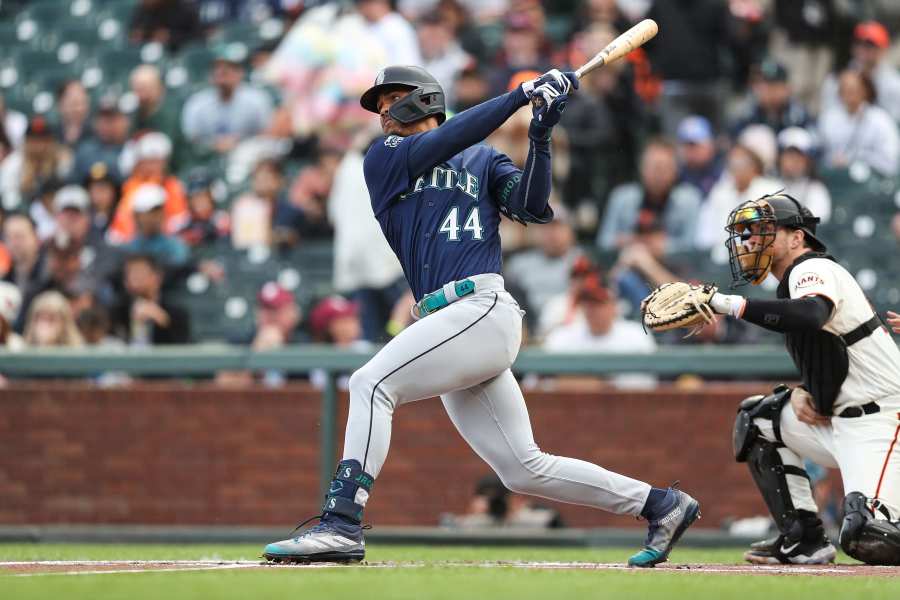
<point x="110" y="135"/>
<point x="155" y="110"/>
<point x="66" y="274"/>
<point x="870" y="46"/>
<point x="603" y="12"/>
<point x="802" y="39"/>
<point x="523" y="49"/>
<point x="39" y="159"/>
<point x="303" y="214"/>
<point x="563" y="309"/>
<point x="690" y="57"/>
<point x="278" y="318"/>
<point x="394" y="32"/>
<point x="51" y="323"/>
<point x="99" y="260"/>
<point x="145" y="317"/>
<point x="74" y="106"/>
<point x="365" y="268"/>
<point x="771" y="102"/>
<point x="168" y="22"/>
<point x="602" y="330"/>
<point x="603" y="122"/>
<point x="641" y="265"/>
<point x="167" y="251"/>
<point x="41" y="208"/>
<point x="701" y="162"/>
<point x="151" y="153"/>
<point x="742" y="180"/>
<point x="218" y="117"/>
<point x="10" y="303"/>
<point x="762" y="141"/>
<point x="252" y="213"/>
<point x="471" y="88"/>
<point x="103" y="191"/>
<point x="895" y="227"/>
<point x="28" y="260"/>
<point x="797" y="170"/>
<point x="857" y="130"/>
<point x="335" y="321"/>
<point x="13" y="124"/>
<point x="95" y="327"/>
<point x="206" y="224"/>
<point x="543" y="272"/>
<point x="658" y="193"/>
<point x="493" y="505"/>
<point x="442" y="55"/>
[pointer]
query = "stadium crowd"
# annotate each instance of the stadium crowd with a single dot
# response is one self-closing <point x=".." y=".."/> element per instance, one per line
<point x="120" y="200"/>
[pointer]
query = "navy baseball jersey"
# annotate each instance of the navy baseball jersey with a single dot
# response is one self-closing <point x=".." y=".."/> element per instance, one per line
<point x="442" y="218"/>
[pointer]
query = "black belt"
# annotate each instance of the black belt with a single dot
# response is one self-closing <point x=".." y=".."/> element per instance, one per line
<point x="863" y="331"/>
<point x="851" y="412"/>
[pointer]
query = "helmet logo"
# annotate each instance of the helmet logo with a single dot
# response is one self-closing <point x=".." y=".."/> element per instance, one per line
<point x="380" y="79"/>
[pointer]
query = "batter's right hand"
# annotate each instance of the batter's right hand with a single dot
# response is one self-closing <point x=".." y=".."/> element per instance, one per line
<point x="562" y="82"/>
<point x="804" y="408"/>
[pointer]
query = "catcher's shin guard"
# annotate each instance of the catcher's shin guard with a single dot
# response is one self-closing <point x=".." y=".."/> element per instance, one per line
<point x="866" y="538"/>
<point x="783" y="486"/>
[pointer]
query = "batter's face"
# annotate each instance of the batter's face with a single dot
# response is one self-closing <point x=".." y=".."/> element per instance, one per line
<point x="390" y="126"/>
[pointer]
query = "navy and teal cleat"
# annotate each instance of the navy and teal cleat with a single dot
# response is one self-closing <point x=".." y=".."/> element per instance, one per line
<point x="332" y="540"/>
<point x="665" y="532"/>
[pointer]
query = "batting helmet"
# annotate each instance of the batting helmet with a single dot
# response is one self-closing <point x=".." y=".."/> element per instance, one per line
<point x="759" y="219"/>
<point x="426" y="95"/>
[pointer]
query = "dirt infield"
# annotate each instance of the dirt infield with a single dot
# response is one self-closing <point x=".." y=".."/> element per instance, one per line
<point x="87" y="567"/>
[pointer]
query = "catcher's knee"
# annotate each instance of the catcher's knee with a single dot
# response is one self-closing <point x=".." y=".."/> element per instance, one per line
<point x="746" y="434"/>
<point x="866" y="538"/>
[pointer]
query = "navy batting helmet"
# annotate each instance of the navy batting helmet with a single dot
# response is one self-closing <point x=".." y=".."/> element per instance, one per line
<point x="426" y="96"/>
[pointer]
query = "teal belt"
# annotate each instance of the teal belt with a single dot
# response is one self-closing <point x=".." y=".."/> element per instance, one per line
<point x="435" y="301"/>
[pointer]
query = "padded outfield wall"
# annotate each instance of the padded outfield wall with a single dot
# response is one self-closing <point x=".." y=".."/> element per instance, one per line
<point x="179" y="454"/>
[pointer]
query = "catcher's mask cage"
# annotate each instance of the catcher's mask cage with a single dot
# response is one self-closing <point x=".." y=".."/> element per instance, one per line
<point x="425" y="98"/>
<point x="752" y="228"/>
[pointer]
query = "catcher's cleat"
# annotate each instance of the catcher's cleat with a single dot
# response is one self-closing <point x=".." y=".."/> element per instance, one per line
<point x="665" y="532"/>
<point x="780" y="550"/>
<point x="332" y="540"/>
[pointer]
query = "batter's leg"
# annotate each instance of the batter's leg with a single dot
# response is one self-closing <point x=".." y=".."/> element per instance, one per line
<point x="493" y="419"/>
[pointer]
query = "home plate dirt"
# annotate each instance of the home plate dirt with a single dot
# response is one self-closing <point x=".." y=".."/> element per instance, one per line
<point x="89" y="567"/>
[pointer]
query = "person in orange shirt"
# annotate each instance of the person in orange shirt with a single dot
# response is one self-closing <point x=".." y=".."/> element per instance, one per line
<point x="151" y="154"/>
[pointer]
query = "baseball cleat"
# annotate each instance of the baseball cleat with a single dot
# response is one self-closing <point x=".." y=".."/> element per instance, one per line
<point x="665" y="532"/>
<point x="780" y="550"/>
<point x="332" y="540"/>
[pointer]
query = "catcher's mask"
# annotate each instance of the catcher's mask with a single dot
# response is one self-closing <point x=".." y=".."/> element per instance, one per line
<point x="752" y="227"/>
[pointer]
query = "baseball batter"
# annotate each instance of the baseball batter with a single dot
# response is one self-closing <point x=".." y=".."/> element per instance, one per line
<point x="438" y="194"/>
<point x="845" y="415"/>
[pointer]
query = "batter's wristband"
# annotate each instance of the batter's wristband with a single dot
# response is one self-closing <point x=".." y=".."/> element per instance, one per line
<point x="539" y="133"/>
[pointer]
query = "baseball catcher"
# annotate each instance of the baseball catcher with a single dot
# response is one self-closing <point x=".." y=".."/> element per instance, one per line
<point x="846" y="412"/>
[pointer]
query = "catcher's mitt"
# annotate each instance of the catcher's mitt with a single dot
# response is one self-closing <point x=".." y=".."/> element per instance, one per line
<point x="678" y="304"/>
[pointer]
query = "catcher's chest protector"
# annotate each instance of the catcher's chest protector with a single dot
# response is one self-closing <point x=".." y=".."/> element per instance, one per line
<point x="820" y="356"/>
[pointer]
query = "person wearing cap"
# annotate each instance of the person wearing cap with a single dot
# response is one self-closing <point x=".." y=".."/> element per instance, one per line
<point x="218" y="117"/>
<point x="658" y="191"/>
<point x="563" y="308"/>
<point x="871" y="42"/>
<point x="771" y="102"/>
<point x="700" y="161"/>
<point x="40" y="159"/>
<point x="857" y="130"/>
<point x="103" y="192"/>
<point x="602" y="330"/>
<point x="169" y="22"/>
<point x="797" y="170"/>
<point x="151" y="152"/>
<point x="145" y="316"/>
<point x="206" y="224"/>
<point x="148" y="204"/>
<point x="110" y="132"/>
<point x="335" y="321"/>
<point x="278" y="318"/>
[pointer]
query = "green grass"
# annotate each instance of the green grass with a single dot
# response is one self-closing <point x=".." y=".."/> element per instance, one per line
<point x="432" y="581"/>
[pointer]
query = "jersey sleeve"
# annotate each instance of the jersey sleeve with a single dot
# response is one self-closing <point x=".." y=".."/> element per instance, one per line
<point x="386" y="170"/>
<point x="814" y="277"/>
<point x="504" y="178"/>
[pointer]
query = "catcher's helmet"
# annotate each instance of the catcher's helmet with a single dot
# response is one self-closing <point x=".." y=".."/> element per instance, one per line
<point x="760" y="219"/>
<point x="426" y="95"/>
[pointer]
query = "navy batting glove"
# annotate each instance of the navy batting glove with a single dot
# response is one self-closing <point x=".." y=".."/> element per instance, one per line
<point x="562" y="81"/>
<point x="546" y="116"/>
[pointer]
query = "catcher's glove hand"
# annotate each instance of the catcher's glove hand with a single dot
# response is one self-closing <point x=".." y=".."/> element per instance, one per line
<point x="678" y="304"/>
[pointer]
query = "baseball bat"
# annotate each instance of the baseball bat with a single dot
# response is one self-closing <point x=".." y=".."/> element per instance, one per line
<point x="635" y="37"/>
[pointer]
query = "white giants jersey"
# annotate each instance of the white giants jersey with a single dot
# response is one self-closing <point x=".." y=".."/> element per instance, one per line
<point x="874" y="371"/>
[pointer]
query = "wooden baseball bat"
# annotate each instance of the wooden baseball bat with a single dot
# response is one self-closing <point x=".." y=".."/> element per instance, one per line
<point x="635" y="37"/>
